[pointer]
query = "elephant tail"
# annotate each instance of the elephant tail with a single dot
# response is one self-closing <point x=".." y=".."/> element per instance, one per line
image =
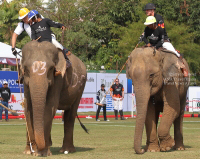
<point x="83" y="126"/>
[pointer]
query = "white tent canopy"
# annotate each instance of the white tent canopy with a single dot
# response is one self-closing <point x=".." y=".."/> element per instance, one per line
<point x="6" y="56"/>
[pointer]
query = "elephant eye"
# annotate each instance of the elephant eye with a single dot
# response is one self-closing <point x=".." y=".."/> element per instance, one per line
<point x="151" y="75"/>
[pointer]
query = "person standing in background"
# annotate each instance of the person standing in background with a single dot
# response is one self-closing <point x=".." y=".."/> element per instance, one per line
<point x="101" y="98"/>
<point x="117" y="94"/>
<point x="5" y="94"/>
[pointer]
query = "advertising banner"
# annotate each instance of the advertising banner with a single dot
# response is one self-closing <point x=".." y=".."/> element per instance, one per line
<point x="11" y="77"/>
<point x="91" y="83"/>
<point x="15" y="101"/>
<point x="108" y="78"/>
<point x="87" y="103"/>
<point x="194" y="99"/>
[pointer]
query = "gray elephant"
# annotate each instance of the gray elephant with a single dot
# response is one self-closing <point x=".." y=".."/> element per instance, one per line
<point x="45" y="93"/>
<point x="159" y="86"/>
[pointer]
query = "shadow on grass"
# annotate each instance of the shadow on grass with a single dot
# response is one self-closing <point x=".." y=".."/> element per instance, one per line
<point x="55" y="150"/>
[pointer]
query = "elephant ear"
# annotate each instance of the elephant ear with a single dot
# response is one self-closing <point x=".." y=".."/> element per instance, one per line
<point x="171" y="66"/>
<point x="61" y="63"/>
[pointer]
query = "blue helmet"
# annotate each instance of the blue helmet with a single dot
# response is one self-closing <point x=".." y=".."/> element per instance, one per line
<point x="32" y="14"/>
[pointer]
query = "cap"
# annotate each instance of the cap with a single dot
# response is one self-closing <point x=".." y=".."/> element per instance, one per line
<point x="149" y="6"/>
<point x="5" y="82"/>
<point x="102" y="85"/>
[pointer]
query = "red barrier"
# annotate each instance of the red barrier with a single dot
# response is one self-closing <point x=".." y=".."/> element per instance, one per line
<point x="10" y="116"/>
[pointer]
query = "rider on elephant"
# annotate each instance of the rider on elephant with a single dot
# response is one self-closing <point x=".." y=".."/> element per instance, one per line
<point x="40" y="30"/>
<point x="156" y="35"/>
<point x="150" y="11"/>
<point x="153" y="32"/>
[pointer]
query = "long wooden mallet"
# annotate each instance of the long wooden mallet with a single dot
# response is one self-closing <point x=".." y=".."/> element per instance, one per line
<point x="13" y="112"/>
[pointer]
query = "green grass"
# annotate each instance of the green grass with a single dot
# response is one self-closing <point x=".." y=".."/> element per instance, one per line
<point x="112" y="139"/>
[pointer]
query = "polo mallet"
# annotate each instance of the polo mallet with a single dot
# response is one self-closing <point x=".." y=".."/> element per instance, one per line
<point x="32" y="151"/>
<point x="100" y="104"/>
<point x="13" y="112"/>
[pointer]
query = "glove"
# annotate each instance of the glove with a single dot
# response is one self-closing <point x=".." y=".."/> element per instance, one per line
<point x="141" y="38"/>
<point x="14" y="51"/>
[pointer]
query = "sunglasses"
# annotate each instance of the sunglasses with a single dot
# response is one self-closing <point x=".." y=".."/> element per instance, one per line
<point x="116" y="81"/>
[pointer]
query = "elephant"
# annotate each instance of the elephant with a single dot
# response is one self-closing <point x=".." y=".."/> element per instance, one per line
<point x="159" y="86"/>
<point x="45" y="93"/>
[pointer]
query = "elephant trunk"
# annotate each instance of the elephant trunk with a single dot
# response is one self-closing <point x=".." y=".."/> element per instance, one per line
<point x="142" y="98"/>
<point x="38" y="92"/>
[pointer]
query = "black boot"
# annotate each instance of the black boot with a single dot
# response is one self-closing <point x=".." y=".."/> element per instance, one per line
<point x="68" y="63"/>
<point x="116" y="114"/>
<point x="121" y="115"/>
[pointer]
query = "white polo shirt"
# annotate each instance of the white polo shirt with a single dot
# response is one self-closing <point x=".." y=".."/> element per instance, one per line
<point x="19" y="29"/>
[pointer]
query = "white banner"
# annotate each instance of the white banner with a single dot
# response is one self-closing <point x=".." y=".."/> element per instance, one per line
<point x="194" y="99"/>
<point x="108" y="78"/>
<point x="15" y="101"/>
<point x="91" y="83"/>
<point x="87" y="103"/>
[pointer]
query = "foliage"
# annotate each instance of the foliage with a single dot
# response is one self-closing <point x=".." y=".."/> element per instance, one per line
<point x="104" y="32"/>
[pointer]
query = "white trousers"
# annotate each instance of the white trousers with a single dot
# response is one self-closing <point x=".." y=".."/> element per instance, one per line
<point x="118" y="103"/>
<point x="56" y="43"/>
<point x="169" y="46"/>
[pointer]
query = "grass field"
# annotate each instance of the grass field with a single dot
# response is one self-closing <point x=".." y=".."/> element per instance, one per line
<point x="113" y="139"/>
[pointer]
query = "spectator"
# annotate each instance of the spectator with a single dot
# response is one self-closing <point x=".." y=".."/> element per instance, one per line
<point x="101" y="98"/>
<point x="4" y="98"/>
<point x="117" y="94"/>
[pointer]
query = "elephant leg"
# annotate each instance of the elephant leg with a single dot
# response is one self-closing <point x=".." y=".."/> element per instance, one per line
<point x="178" y="128"/>
<point x="170" y="113"/>
<point x="152" y="144"/>
<point x="69" y="119"/>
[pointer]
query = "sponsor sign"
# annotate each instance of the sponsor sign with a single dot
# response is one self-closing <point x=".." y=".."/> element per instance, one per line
<point x="14" y="102"/>
<point x="91" y="83"/>
<point x="11" y="77"/>
<point x="194" y="99"/>
<point x="87" y="103"/>
<point x="108" y="78"/>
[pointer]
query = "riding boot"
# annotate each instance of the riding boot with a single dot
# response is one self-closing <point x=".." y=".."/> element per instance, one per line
<point x="116" y="114"/>
<point x="121" y="115"/>
<point x="68" y="63"/>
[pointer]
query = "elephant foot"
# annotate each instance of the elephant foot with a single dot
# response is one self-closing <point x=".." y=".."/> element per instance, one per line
<point x="43" y="153"/>
<point x="152" y="148"/>
<point x="67" y="149"/>
<point x="166" y="144"/>
<point x="28" y="150"/>
<point x="180" y="147"/>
